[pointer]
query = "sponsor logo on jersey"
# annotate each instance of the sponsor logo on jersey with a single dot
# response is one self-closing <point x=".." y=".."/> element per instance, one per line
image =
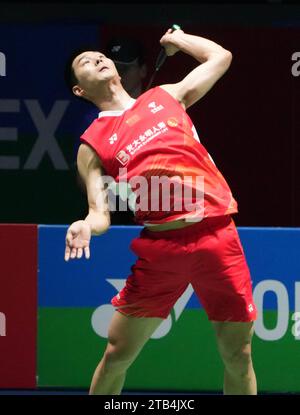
<point x="133" y="120"/>
<point x="113" y="138"/>
<point x="172" y="122"/>
<point x="123" y="157"/>
<point x="155" y="108"/>
<point x="147" y="136"/>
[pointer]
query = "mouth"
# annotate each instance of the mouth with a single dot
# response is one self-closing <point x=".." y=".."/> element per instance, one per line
<point x="103" y="68"/>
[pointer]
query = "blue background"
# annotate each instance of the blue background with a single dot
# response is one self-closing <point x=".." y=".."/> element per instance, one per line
<point x="272" y="253"/>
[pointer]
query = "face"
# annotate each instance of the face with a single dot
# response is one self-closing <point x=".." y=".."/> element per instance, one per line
<point x="92" y="69"/>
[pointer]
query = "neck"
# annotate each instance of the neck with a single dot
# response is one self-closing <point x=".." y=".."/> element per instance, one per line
<point x="113" y="97"/>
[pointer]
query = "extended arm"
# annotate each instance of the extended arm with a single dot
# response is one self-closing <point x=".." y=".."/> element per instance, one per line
<point x="98" y="218"/>
<point x="214" y="62"/>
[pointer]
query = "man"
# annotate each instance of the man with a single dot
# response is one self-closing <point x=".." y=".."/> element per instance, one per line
<point x="153" y="136"/>
<point x="128" y="57"/>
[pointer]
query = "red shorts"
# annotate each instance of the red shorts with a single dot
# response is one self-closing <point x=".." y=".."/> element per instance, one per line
<point x="208" y="255"/>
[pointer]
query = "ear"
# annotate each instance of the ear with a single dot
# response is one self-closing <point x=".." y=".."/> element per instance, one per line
<point x="143" y="71"/>
<point x="79" y="92"/>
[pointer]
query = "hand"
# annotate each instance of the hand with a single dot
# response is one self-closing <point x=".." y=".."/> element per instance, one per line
<point x="78" y="240"/>
<point x="168" y="40"/>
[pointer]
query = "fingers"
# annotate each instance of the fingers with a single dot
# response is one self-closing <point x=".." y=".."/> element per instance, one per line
<point x="69" y="238"/>
<point x="77" y="243"/>
<point x="67" y="253"/>
<point x="76" y="253"/>
<point x="73" y="253"/>
<point x="87" y="252"/>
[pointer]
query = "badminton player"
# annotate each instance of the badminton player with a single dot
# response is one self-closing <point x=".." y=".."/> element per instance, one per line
<point x="189" y="243"/>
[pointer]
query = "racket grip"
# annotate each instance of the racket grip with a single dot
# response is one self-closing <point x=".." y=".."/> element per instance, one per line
<point x="162" y="56"/>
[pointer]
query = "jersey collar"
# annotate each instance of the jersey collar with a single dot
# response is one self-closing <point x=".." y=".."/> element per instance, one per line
<point x="118" y="112"/>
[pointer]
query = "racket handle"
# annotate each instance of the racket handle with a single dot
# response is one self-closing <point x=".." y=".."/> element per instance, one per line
<point x="162" y="56"/>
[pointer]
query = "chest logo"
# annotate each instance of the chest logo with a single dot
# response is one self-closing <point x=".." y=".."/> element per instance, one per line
<point x="132" y="120"/>
<point x="113" y="139"/>
<point x="155" y="108"/>
<point x="172" y="122"/>
<point x="123" y="157"/>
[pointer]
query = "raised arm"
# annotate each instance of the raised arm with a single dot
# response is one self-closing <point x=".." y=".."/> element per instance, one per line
<point x="214" y="62"/>
<point x="98" y="218"/>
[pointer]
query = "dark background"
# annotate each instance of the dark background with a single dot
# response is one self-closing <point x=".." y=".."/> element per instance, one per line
<point x="249" y="122"/>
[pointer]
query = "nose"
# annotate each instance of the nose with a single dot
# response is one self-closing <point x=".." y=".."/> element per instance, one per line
<point x="99" y="60"/>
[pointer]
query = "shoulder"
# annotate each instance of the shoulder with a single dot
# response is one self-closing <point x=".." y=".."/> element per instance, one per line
<point x="174" y="91"/>
<point x="85" y="151"/>
<point x="91" y="129"/>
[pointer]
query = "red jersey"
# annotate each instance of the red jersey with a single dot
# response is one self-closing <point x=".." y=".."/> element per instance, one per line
<point x="153" y="139"/>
